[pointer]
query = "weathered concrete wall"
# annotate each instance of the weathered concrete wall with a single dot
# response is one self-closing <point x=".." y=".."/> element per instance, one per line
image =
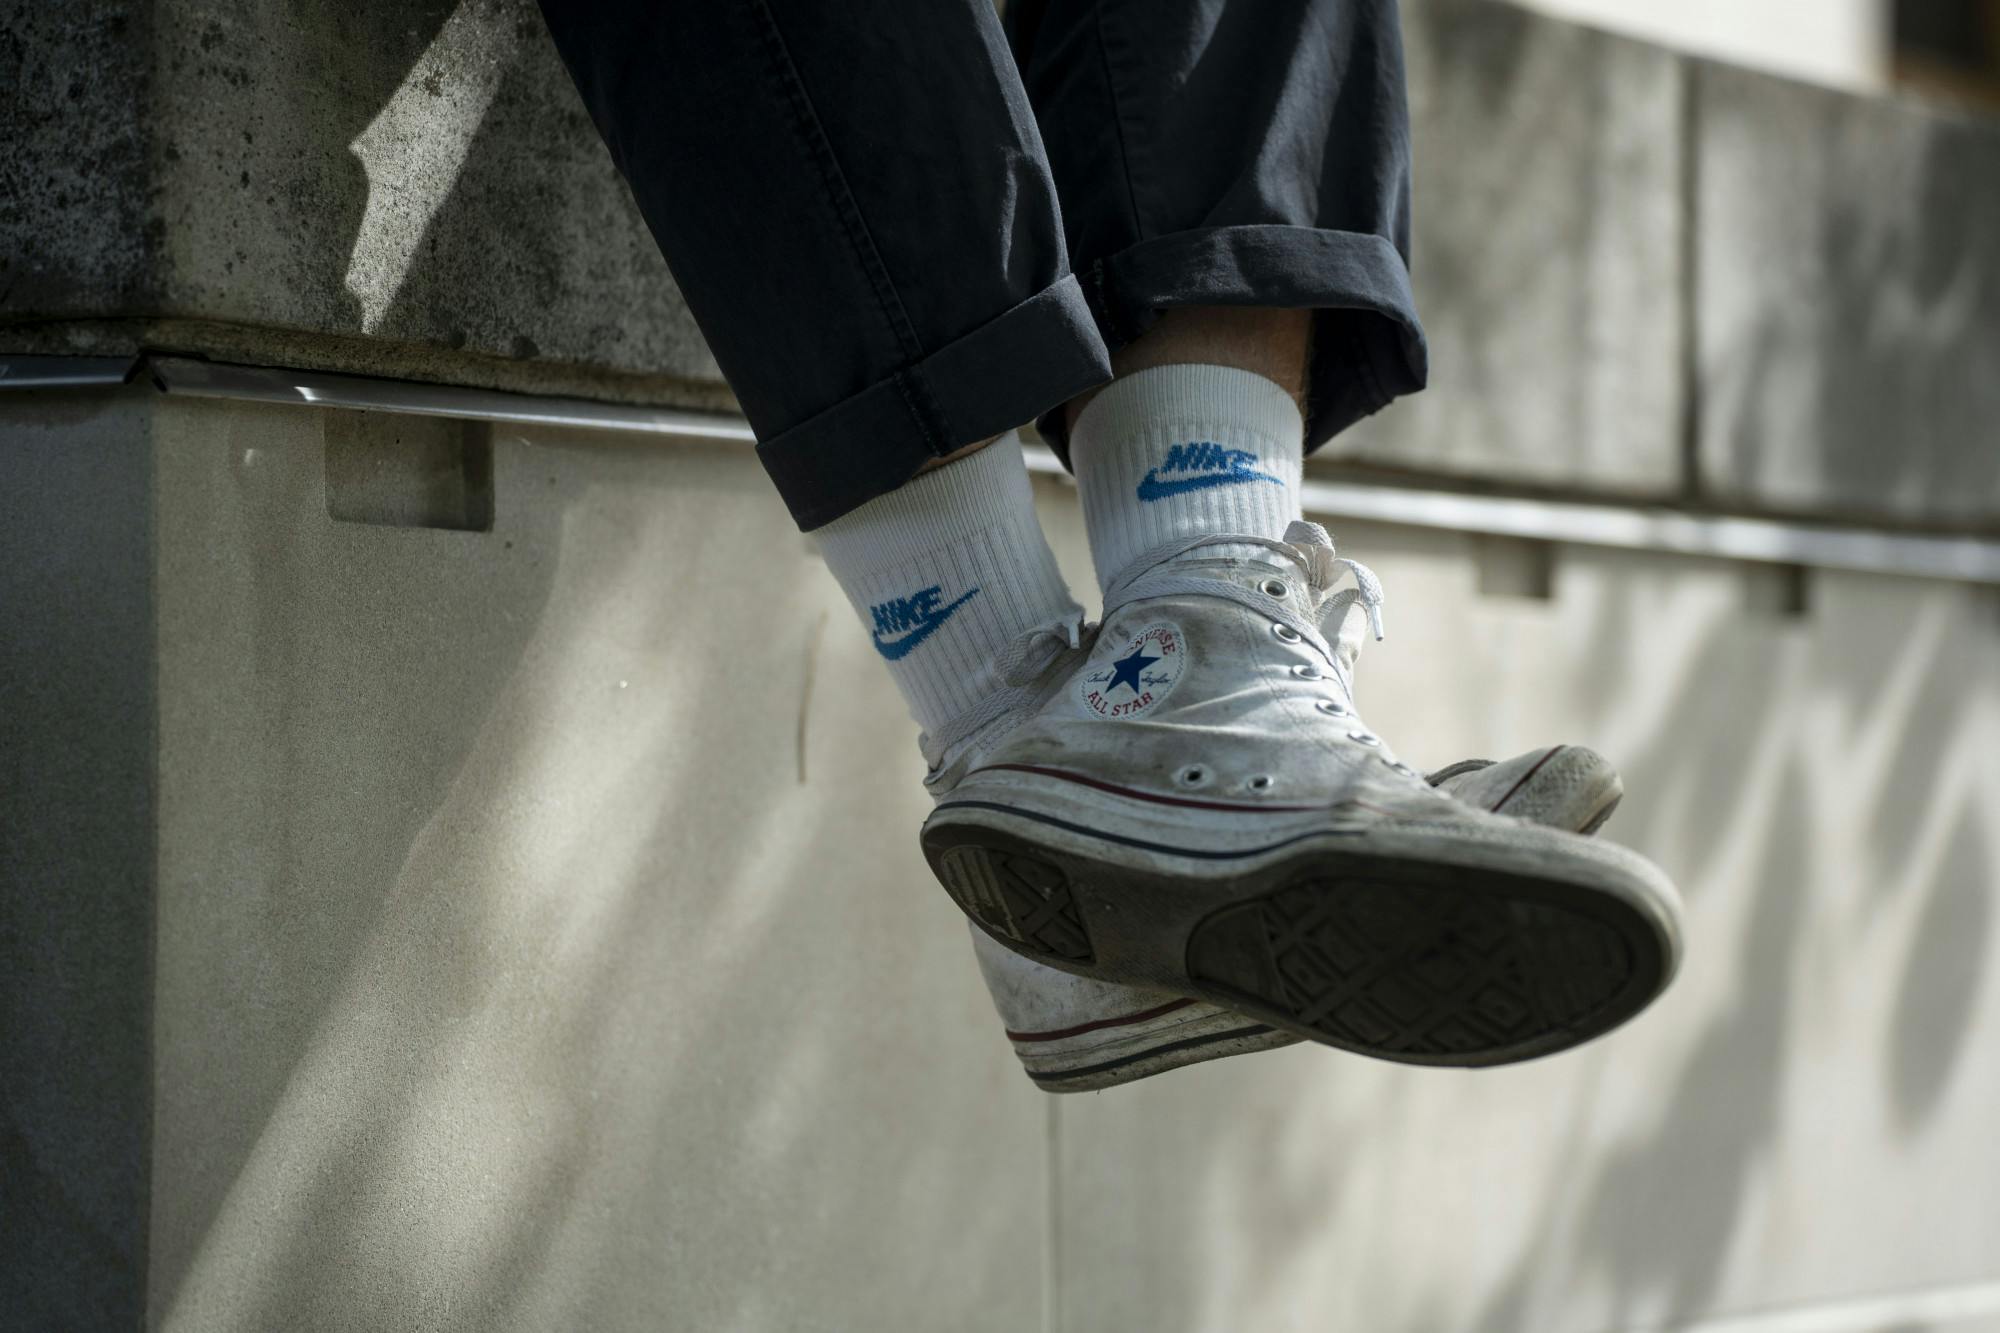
<point x="79" y="236"/>
<point x="404" y="189"/>
<point x="76" y="858"/>
<point x="1802" y="1120"/>
<point x="541" y="938"/>
<point x="1626" y="259"/>
<point x="542" y="942"/>
<point x="1849" y="298"/>
<point x="1547" y="257"/>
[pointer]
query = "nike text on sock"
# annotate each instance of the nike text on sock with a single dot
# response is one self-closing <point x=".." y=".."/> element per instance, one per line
<point x="945" y="572"/>
<point x="1185" y="451"/>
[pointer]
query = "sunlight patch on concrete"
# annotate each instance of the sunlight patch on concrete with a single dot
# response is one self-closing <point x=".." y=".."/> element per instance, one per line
<point x="415" y="148"/>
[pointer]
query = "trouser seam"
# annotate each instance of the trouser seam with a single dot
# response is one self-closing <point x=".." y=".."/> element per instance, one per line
<point x="1362" y="356"/>
<point x="1118" y="123"/>
<point x="1112" y="322"/>
<point x="927" y="412"/>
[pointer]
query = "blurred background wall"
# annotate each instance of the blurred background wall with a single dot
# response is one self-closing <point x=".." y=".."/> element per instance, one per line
<point x="1841" y="43"/>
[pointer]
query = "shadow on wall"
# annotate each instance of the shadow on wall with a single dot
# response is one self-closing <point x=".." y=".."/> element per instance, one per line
<point x="285" y="133"/>
<point x="1817" y="791"/>
<point x="1852" y="300"/>
<point x="567" y="1045"/>
<point x="1763" y="780"/>
<point x="431" y="1111"/>
<point x="422" y="175"/>
<point x="1891" y="728"/>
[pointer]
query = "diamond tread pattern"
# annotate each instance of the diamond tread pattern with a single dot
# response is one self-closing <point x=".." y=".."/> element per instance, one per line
<point x="1020" y="897"/>
<point x="1431" y="972"/>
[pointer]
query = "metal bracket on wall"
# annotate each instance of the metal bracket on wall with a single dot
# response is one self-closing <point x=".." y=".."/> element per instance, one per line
<point x="1636" y="528"/>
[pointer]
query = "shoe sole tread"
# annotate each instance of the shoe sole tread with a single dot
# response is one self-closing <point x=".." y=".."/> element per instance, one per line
<point x="1392" y="956"/>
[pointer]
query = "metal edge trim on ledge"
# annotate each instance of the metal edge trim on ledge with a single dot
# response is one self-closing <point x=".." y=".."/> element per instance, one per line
<point x="64" y="372"/>
<point x="1768" y="541"/>
<point x="263" y="384"/>
<point x="1861" y="550"/>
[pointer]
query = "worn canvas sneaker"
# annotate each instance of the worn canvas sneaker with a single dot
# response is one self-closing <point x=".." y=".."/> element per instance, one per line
<point x="1075" y="1034"/>
<point x="1196" y="808"/>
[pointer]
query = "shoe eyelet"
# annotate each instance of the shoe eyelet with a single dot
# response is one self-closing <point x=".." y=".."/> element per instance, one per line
<point x="1331" y="707"/>
<point x="1307" y="671"/>
<point x="1194" y="775"/>
<point x="1399" y="766"/>
<point x="1364" y="738"/>
<point x="1285" y="633"/>
<point x="1261" y="782"/>
<point x="1274" y="588"/>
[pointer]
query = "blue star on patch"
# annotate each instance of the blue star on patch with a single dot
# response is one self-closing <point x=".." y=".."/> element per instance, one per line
<point x="1125" y="671"/>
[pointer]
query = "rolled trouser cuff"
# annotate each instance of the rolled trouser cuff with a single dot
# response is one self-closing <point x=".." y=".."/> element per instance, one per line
<point x="1368" y="346"/>
<point x="1030" y="359"/>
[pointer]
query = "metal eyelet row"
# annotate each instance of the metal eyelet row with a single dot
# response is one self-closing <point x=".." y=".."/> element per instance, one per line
<point x="1330" y="707"/>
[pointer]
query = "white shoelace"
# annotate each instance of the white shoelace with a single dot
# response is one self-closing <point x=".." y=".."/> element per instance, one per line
<point x="1307" y="545"/>
<point x="1025" y="665"/>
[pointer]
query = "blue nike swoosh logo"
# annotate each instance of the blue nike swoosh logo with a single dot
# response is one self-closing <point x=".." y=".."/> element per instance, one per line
<point x="1152" y="488"/>
<point x="902" y="647"/>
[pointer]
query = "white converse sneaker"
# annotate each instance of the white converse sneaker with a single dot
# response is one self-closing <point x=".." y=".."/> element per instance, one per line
<point x="1197" y="809"/>
<point x="1075" y="1034"/>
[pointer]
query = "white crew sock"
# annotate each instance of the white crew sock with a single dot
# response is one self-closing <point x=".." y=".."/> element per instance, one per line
<point x="945" y="572"/>
<point x="1185" y="451"/>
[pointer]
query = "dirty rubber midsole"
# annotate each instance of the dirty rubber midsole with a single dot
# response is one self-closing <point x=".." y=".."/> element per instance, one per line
<point x="1424" y="944"/>
<point x="1112" y="1070"/>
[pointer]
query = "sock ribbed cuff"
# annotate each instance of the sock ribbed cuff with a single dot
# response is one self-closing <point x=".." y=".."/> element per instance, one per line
<point x="945" y="572"/>
<point x="1185" y="451"/>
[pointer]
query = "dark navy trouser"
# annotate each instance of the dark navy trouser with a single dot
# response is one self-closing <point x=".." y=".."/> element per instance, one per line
<point x="859" y="201"/>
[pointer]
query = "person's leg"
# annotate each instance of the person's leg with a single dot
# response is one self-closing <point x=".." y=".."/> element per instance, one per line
<point x="1072" y="1032"/>
<point x="1267" y="341"/>
<point x="855" y="204"/>
<point x="1221" y="824"/>
<point x="1235" y="183"/>
<point x="1257" y="156"/>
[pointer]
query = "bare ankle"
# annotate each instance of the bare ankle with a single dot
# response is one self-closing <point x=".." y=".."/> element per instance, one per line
<point x="967" y="452"/>
<point x="1268" y="342"/>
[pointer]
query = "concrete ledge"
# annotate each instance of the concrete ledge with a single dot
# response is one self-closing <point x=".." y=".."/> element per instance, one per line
<point x="1547" y="255"/>
<point x="1849" y="303"/>
<point x="1611" y="243"/>
<point x="392" y="189"/>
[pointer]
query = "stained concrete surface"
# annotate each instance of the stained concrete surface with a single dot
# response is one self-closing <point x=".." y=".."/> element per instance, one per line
<point x="76" y="860"/>
<point x="1610" y="239"/>
<point x="1804" y="1119"/>
<point x="1849" y="290"/>
<point x="541" y="936"/>
<point x="411" y="189"/>
<point x="541" y="942"/>
<point x="1547" y="255"/>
